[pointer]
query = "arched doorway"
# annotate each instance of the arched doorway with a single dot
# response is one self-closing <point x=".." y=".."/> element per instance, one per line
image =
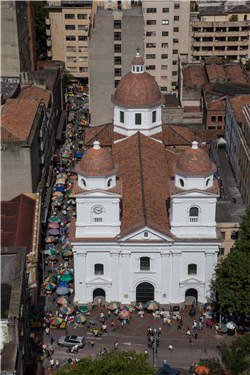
<point x="99" y="294"/>
<point x="145" y="292"/>
<point x="190" y="296"/>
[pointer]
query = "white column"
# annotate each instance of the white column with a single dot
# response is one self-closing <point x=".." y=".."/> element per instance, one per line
<point x="209" y="271"/>
<point x="80" y="276"/>
<point x="176" y="259"/>
<point x="165" y="277"/>
<point x="125" y="298"/>
<point x="115" y="275"/>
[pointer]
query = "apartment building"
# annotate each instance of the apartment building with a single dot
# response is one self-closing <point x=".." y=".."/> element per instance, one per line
<point x="67" y="30"/>
<point x="219" y="29"/>
<point x="166" y="25"/>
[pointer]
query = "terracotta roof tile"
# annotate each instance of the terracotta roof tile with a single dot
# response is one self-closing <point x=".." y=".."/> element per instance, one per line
<point x="215" y="71"/>
<point x="237" y="104"/>
<point x="103" y="133"/>
<point x="236" y="74"/>
<point x="32" y="92"/>
<point x="217" y="104"/>
<point x="194" y="75"/>
<point x="174" y="135"/>
<point x="213" y="60"/>
<point x="17" y="119"/>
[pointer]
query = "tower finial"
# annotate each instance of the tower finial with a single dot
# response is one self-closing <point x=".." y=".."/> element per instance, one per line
<point x="138" y="49"/>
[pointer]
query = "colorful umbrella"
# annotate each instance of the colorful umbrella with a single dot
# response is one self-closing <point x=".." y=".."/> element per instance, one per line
<point x="152" y="305"/>
<point x="71" y="201"/>
<point x="124" y="307"/>
<point x="67" y="309"/>
<point x="66" y="242"/>
<point x="66" y="277"/>
<point x="59" y="189"/>
<point x="55" y="321"/>
<point x="67" y="247"/>
<point x="139" y="306"/>
<point x="80" y="319"/>
<point x="78" y="154"/>
<point x="50" y="251"/>
<point x="66" y="272"/>
<point x="62" y="300"/>
<point x="113" y="305"/>
<point x="49" y="285"/>
<point x="50" y="279"/>
<point x="124" y="314"/>
<point x="202" y="370"/>
<point x="67" y="253"/>
<point x="53" y="225"/>
<point x="54" y="219"/>
<point x="58" y="193"/>
<point x="54" y="232"/>
<point x="50" y="239"/>
<point x="53" y="258"/>
<point x="83" y="308"/>
<point x="63" y="284"/>
<point x="62" y="290"/>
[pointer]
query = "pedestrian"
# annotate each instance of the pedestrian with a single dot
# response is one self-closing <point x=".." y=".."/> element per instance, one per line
<point x="92" y="343"/>
<point x="179" y="326"/>
<point x="170" y="348"/>
<point x="181" y="322"/>
<point x="88" y="344"/>
<point x="146" y="354"/>
<point x="194" y="325"/>
<point x="164" y="321"/>
<point x="52" y="362"/>
<point x="104" y="328"/>
<point x="112" y="324"/>
<point x="211" y="325"/>
<point x="51" y="340"/>
<point x="116" y="345"/>
<point x="169" y="322"/>
<point x="195" y="335"/>
<point x="208" y="323"/>
<point x="101" y="316"/>
<point x="47" y="330"/>
<point x="164" y="362"/>
<point x="191" y="342"/>
<point x="99" y="302"/>
<point x="57" y="364"/>
<point x="109" y="314"/>
<point x="93" y="305"/>
<point x="53" y="298"/>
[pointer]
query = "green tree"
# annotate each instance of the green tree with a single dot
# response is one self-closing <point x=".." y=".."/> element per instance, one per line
<point x="247" y="64"/>
<point x="234" y="359"/>
<point x="214" y="365"/>
<point x="243" y="244"/>
<point x="242" y="342"/>
<point x="115" y="362"/>
<point x="40" y="27"/>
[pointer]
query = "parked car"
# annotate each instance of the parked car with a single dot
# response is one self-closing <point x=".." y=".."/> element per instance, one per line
<point x="247" y="317"/>
<point x="71" y="340"/>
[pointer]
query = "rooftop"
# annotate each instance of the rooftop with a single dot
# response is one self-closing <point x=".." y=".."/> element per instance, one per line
<point x="134" y="11"/>
<point x="217" y="105"/>
<point x="9" y="89"/>
<point x="230" y="89"/>
<point x="33" y="92"/>
<point x="236" y="74"/>
<point x="171" y="101"/>
<point x="17" y="119"/>
<point x="103" y="133"/>
<point x="194" y="75"/>
<point x="215" y="71"/>
<point x="237" y="104"/>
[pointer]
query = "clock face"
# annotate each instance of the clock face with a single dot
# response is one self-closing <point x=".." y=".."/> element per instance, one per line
<point x="98" y="210"/>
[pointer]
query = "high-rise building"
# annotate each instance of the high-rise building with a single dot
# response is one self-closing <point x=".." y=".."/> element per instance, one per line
<point x="18" y="47"/>
<point x="67" y="30"/>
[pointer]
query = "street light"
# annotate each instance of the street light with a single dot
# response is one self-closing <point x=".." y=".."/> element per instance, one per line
<point x="155" y="338"/>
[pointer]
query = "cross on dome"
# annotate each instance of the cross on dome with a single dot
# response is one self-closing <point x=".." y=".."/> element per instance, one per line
<point x="137" y="63"/>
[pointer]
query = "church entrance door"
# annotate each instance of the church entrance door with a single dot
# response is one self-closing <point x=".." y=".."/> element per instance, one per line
<point x="145" y="292"/>
<point x="99" y="294"/>
<point x="190" y="296"/>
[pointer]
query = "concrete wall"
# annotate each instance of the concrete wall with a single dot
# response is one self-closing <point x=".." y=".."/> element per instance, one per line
<point x="231" y="135"/>
<point x="172" y="115"/>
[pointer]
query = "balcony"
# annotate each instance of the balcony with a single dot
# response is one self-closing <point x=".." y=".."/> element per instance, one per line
<point x="219" y="53"/>
<point x="197" y="34"/>
<point x="47" y="21"/>
<point x="49" y="42"/>
<point x="221" y="24"/>
<point x="220" y="44"/>
<point x="48" y="32"/>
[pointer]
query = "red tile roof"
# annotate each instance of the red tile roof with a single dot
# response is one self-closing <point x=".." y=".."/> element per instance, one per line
<point x="213" y="60"/>
<point x="174" y="135"/>
<point x="215" y="71"/>
<point x="237" y="104"/>
<point x="103" y="133"/>
<point x="32" y="92"/>
<point x="194" y="75"/>
<point x="17" y="119"/>
<point x="217" y="105"/>
<point x="17" y="222"/>
<point x="236" y="74"/>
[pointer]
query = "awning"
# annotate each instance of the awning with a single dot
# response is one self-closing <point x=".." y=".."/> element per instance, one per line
<point x="61" y="125"/>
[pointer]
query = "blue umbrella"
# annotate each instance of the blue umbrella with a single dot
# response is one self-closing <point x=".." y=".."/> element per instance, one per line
<point x="63" y="284"/>
<point x="62" y="290"/>
<point x="59" y="188"/>
<point x="78" y="154"/>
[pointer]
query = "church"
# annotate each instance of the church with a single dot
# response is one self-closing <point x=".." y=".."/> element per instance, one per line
<point x="145" y="224"/>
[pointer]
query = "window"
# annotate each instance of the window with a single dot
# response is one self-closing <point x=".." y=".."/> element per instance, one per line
<point x="175" y="40"/>
<point x="70" y="48"/>
<point x="99" y="269"/>
<point x="164" y="67"/>
<point x="151" y="10"/>
<point x="70" y="27"/>
<point x="83" y="27"/>
<point x="145" y="234"/>
<point x="164" y="56"/>
<point x="82" y="38"/>
<point x="117" y="36"/>
<point x="164" y="77"/>
<point x="245" y="17"/>
<point x="174" y="62"/>
<point x="164" y="45"/>
<point x="110" y="182"/>
<point x="117" y="48"/>
<point x="151" y="33"/>
<point x="223" y="235"/>
<point x="165" y="22"/>
<point x="192" y="269"/>
<point x="150" y="45"/>
<point x="82" y="49"/>
<point x="174" y="73"/>
<point x="212" y="127"/>
<point x="176" y="29"/>
<point x="208" y="181"/>
<point x="221" y="251"/>
<point x="150" y="67"/>
<point x="83" y="59"/>
<point x="117" y="24"/>
<point x="193" y="215"/>
<point x="220" y="118"/>
<point x="122" y="117"/>
<point x="83" y="69"/>
<point x="151" y="22"/>
<point x="72" y="69"/>
<point x="181" y="182"/>
<point x="145" y="264"/>
<point x="82" y="16"/>
<point x="176" y="18"/>
<point x="213" y="118"/>
<point x="70" y="37"/>
<point x="175" y="51"/>
<point x="116" y="82"/>
<point x="165" y="10"/>
<point x="97" y="219"/>
<point x="70" y="58"/>
<point x="83" y="182"/>
<point x="154" y="116"/>
<point x="176" y="6"/>
<point x="118" y="60"/>
<point x="174" y="83"/>
<point x="164" y="88"/>
<point x="118" y="72"/>
<point x="234" y="235"/>
<point x="69" y="16"/>
<point x="164" y="33"/>
<point x="150" y="56"/>
<point x="138" y="119"/>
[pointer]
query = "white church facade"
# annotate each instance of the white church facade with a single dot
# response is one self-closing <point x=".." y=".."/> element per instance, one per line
<point x="145" y="228"/>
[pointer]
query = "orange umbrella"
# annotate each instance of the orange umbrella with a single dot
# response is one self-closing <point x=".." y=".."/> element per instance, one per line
<point x="202" y="370"/>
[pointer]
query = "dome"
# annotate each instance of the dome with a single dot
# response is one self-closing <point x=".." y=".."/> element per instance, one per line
<point x="137" y="90"/>
<point x="97" y="162"/>
<point x="194" y="161"/>
<point x="137" y="60"/>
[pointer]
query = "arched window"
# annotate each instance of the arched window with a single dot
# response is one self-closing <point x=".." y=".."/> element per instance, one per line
<point x="145" y="264"/>
<point x="83" y="182"/>
<point x="208" y="182"/>
<point x="181" y="182"/>
<point x="192" y="269"/>
<point x="99" y="269"/>
<point x="193" y="215"/>
<point x="110" y="182"/>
